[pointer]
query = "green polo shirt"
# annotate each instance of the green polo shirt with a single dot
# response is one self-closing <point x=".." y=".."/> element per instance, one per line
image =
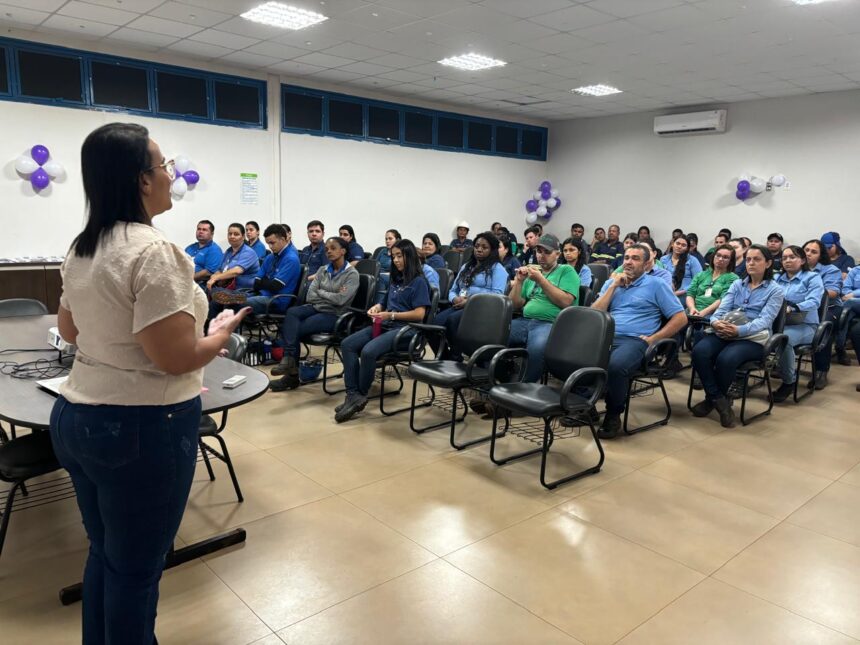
<point x="705" y="291"/>
<point x="538" y="304"/>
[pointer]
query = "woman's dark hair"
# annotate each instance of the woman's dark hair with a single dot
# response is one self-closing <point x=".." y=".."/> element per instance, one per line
<point x="348" y="229"/>
<point x="113" y="157"/>
<point x="731" y="250"/>
<point x="252" y="223"/>
<point x="493" y="225"/>
<point x="599" y="228"/>
<point x="411" y="263"/>
<point x="693" y="238"/>
<point x="505" y="240"/>
<point x="747" y="242"/>
<point x="580" y="259"/>
<point x="239" y="226"/>
<point x="342" y="243"/>
<point x="681" y="265"/>
<point x="467" y="274"/>
<point x="823" y="255"/>
<point x="761" y="248"/>
<point x="394" y="232"/>
<point x="644" y="228"/>
<point x="798" y="253"/>
<point x="634" y="237"/>
<point x="433" y="238"/>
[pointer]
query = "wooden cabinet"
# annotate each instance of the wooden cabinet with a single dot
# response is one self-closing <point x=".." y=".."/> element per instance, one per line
<point x="37" y="281"/>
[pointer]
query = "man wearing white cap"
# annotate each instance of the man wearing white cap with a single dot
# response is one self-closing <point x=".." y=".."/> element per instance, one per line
<point x="462" y="241"/>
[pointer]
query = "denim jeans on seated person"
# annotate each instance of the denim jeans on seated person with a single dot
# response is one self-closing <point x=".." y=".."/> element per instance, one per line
<point x="360" y="351"/>
<point x="797" y="335"/>
<point x="132" y="468"/>
<point x="716" y="361"/>
<point x="303" y="321"/>
<point x="531" y="334"/>
<point x="258" y="304"/>
<point x="625" y="358"/>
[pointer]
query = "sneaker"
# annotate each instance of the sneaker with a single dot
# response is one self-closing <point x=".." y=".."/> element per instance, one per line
<point x="727" y="414"/>
<point x="611" y="425"/>
<point x="229" y="297"/>
<point x="702" y="408"/>
<point x="352" y="406"/>
<point x="783" y="392"/>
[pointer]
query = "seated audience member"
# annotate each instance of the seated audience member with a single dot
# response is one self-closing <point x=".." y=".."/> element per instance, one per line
<point x="851" y="301"/>
<point x="682" y="266"/>
<point x="638" y="303"/>
<point x="329" y="295"/>
<point x="482" y="273"/>
<point x="693" y="240"/>
<point x="278" y="274"/>
<point x="430" y="273"/>
<point x="356" y="253"/>
<point x="392" y="236"/>
<point x="529" y="254"/>
<point x="506" y="256"/>
<point x="653" y="268"/>
<point x="774" y="245"/>
<point x="541" y="292"/>
<point x="574" y="255"/>
<point x="740" y="254"/>
<point x="802" y="292"/>
<point x="539" y="228"/>
<point x="599" y="238"/>
<point x="496" y="228"/>
<point x="239" y="267"/>
<point x="407" y="301"/>
<point x="205" y="252"/>
<point x="717" y="355"/>
<point x="577" y="232"/>
<point x="676" y="233"/>
<point x="608" y="251"/>
<point x="462" y="241"/>
<point x="430" y="251"/>
<point x="643" y="234"/>
<point x="747" y="242"/>
<point x="719" y="240"/>
<point x="313" y="256"/>
<point x="252" y="230"/>
<point x="819" y="261"/>
<point x="629" y="240"/>
<point x="708" y="287"/>
<point x="838" y="257"/>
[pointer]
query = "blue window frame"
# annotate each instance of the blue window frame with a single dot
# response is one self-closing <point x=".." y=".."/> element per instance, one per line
<point x="316" y="112"/>
<point x="114" y="83"/>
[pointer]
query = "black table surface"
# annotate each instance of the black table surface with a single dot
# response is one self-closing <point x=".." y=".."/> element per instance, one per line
<point x="23" y="403"/>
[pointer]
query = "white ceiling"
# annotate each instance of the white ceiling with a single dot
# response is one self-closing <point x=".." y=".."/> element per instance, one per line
<point x="662" y="53"/>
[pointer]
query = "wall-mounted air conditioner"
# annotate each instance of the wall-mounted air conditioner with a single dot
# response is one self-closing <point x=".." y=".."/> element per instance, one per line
<point x="710" y="122"/>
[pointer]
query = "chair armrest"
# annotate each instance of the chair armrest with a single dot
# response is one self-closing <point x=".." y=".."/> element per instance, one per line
<point x="481" y="354"/>
<point x="845" y="317"/>
<point x="279" y="296"/>
<point x="598" y="374"/>
<point x="660" y="354"/>
<point x="507" y="354"/>
<point x="425" y="329"/>
<point x="822" y="334"/>
<point x="774" y="347"/>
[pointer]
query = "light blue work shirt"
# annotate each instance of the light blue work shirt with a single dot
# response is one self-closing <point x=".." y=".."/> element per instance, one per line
<point x="245" y="258"/>
<point x="496" y="282"/>
<point x="851" y="284"/>
<point x="804" y="291"/>
<point x="831" y="276"/>
<point x="639" y="309"/>
<point x="761" y="305"/>
<point x="692" y="268"/>
<point x="206" y="257"/>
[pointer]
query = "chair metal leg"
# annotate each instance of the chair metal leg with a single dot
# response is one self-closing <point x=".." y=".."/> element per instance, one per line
<point x="7" y="510"/>
<point x="325" y="375"/>
<point x="414" y="406"/>
<point x="745" y="393"/>
<point x="798" y="398"/>
<point x="547" y="442"/>
<point x="454" y="421"/>
<point x="667" y="404"/>
<point x="382" y="394"/>
<point x="204" y="450"/>
<point x="225" y="456"/>
<point x="493" y="435"/>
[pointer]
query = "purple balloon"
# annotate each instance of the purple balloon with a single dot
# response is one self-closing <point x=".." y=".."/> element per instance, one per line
<point x="545" y="193"/>
<point x="191" y="177"/>
<point x="557" y="204"/>
<point x="531" y="206"/>
<point x="548" y="215"/>
<point x="39" y="179"/>
<point x="743" y="186"/>
<point x="40" y="154"/>
<point x="545" y="186"/>
<point x="741" y="195"/>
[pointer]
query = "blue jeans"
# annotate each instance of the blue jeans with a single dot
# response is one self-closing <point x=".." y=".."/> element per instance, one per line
<point x="531" y="334"/>
<point x="821" y="360"/>
<point x="450" y="318"/>
<point x="625" y="358"/>
<point x="360" y="351"/>
<point x="797" y="335"/>
<point x="132" y="468"/>
<point x="716" y="361"/>
<point x="258" y="304"/>
<point x="303" y="321"/>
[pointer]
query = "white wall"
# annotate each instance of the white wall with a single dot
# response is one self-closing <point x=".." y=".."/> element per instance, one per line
<point x="615" y="170"/>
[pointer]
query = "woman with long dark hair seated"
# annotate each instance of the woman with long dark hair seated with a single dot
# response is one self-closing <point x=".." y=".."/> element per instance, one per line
<point x="573" y="252"/>
<point x="819" y="261"/>
<point x="356" y="253"/>
<point x="430" y="251"/>
<point x="483" y="273"/>
<point x="683" y="266"/>
<point x="507" y="257"/>
<point x="753" y="303"/>
<point x="392" y="236"/>
<point x="407" y="301"/>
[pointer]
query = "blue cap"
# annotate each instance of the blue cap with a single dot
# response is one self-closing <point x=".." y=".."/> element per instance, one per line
<point x="831" y="238"/>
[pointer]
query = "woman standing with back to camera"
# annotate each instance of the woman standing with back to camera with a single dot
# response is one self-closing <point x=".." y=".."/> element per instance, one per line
<point x="126" y="422"/>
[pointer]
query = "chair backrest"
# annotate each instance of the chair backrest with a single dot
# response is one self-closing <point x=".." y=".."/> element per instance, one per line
<point x="378" y="251"/>
<point x="22" y="307"/>
<point x="822" y="308"/>
<point x="466" y="255"/>
<point x="446" y="277"/>
<point x="368" y="267"/>
<point x="236" y="347"/>
<point x="433" y="309"/>
<point x="302" y="286"/>
<point x="779" y="322"/>
<point x="580" y="337"/>
<point x="365" y="295"/>
<point x="586" y="296"/>
<point x="600" y="274"/>
<point x="444" y="249"/>
<point x="486" y="321"/>
<point x="453" y="260"/>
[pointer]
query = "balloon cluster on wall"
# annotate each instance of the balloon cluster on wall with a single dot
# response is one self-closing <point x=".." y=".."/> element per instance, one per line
<point x="544" y="203"/>
<point x="39" y="167"/>
<point x="750" y="186"/>
<point x="185" y="178"/>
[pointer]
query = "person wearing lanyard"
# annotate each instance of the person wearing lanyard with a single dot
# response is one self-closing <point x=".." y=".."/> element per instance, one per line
<point x="803" y="290"/>
<point x="278" y="275"/>
<point x="329" y="295"/>
<point x="239" y="266"/>
<point x="831" y="276"/>
<point x="407" y="301"/>
<point x="205" y="252"/>
<point x="252" y="230"/>
<point x="717" y="356"/>
<point x="709" y="286"/>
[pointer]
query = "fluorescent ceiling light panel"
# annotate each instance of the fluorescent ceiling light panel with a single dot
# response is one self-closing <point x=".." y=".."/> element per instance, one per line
<point x="803" y="2"/>
<point x="472" y="62"/>
<point x="596" y="90"/>
<point x="277" y="14"/>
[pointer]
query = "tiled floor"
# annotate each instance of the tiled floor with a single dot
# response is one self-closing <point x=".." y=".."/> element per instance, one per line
<point x="367" y="533"/>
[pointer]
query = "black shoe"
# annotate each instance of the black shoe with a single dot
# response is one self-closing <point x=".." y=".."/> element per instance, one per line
<point x="727" y="415"/>
<point x="783" y="392"/>
<point x="286" y="382"/>
<point x="819" y="383"/>
<point x="611" y="426"/>
<point x="287" y="365"/>
<point x="673" y="369"/>
<point x="478" y="406"/>
<point x="702" y="408"/>
<point x="353" y="405"/>
<point x="697" y="383"/>
<point x="574" y="422"/>
<point x="842" y="358"/>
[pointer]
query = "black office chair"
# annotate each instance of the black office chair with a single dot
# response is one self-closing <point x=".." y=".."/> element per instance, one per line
<point x="467" y="255"/>
<point x="236" y="347"/>
<point x="599" y="275"/>
<point x="484" y="330"/>
<point x="649" y="377"/>
<point x="580" y="365"/>
<point x="21" y="459"/>
<point x="368" y="267"/>
<point x="22" y="307"/>
<point x="804" y="353"/>
<point x="586" y="297"/>
<point x="378" y="251"/>
<point x="444" y="249"/>
<point x="453" y="260"/>
<point x="446" y="278"/>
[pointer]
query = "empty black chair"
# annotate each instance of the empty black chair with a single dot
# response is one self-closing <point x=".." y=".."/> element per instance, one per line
<point x="580" y="365"/>
<point x="22" y="307"/>
<point x="805" y="352"/>
<point x="446" y="277"/>
<point x="453" y="260"/>
<point x="600" y="274"/>
<point x="586" y="297"/>
<point x="484" y="330"/>
<point x="368" y="267"/>
<point x="236" y="347"/>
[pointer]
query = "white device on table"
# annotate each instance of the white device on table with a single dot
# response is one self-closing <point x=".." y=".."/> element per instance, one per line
<point x="52" y="385"/>
<point x="56" y="341"/>
<point x="234" y="381"/>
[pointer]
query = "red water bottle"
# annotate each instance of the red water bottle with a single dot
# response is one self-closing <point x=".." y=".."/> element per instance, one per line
<point x="377" y="326"/>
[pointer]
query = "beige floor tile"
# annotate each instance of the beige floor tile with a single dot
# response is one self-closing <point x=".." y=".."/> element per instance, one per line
<point x="434" y="604"/>
<point x="698" y="530"/>
<point x="588" y="582"/>
<point x="268" y="485"/>
<point x="38" y="617"/>
<point x="302" y="561"/>
<point x="852" y="476"/>
<point x="805" y="572"/>
<point x="714" y="613"/>
<point x="644" y="448"/>
<point x="834" y="512"/>
<point x="763" y="486"/>
<point x="358" y="455"/>
<point x="443" y="507"/>
<point x="271" y="639"/>
<point x="235" y="444"/>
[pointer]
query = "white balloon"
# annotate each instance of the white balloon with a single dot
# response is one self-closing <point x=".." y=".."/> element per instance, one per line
<point x="542" y="202"/>
<point x="541" y="211"/>
<point x="183" y="164"/>
<point x="25" y="165"/>
<point x="54" y="169"/>
<point x="757" y="184"/>
<point x="531" y="218"/>
<point x="553" y="193"/>
<point x="778" y="180"/>
<point x="536" y="195"/>
<point x="179" y="187"/>
<point x="744" y="177"/>
<point x="552" y="202"/>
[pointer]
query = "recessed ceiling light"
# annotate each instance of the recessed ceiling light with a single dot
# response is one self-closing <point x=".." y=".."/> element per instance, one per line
<point x="803" y="2"/>
<point x="472" y="62"/>
<point x="596" y="90"/>
<point x="282" y="15"/>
